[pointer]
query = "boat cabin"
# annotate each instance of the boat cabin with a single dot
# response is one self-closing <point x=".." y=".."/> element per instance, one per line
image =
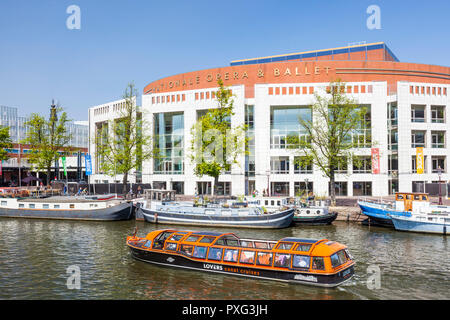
<point x="227" y="249"/>
<point x="411" y="201"/>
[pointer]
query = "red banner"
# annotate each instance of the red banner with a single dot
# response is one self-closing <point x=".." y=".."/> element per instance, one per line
<point x="375" y="161"/>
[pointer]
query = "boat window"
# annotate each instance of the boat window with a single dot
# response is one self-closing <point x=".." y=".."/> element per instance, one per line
<point x="267" y="202"/>
<point x="272" y="244"/>
<point x="71" y="206"/>
<point x="171" y="246"/>
<point x="199" y="252"/>
<point x="285" y="246"/>
<point x="231" y="255"/>
<point x="31" y="205"/>
<point x="215" y="253"/>
<point x="192" y="238"/>
<point x="4" y="203"/>
<point x="282" y="260"/>
<point x="176" y="237"/>
<point x="264" y="258"/>
<point x="232" y="242"/>
<point x="148" y="244"/>
<point x="424" y="198"/>
<point x="416" y="197"/>
<point x="261" y="245"/>
<point x="278" y="203"/>
<point x="301" y="261"/>
<point x="303" y="247"/>
<point x="21" y="205"/>
<point x="209" y="211"/>
<point x="56" y="206"/>
<point x="226" y="212"/>
<point x="408" y="196"/>
<point x="247" y="257"/>
<point x="318" y="263"/>
<point x="400" y="197"/>
<point x="243" y="212"/>
<point x="338" y="258"/>
<point x="245" y="243"/>
<point x="272" y="202"/>
<point x="187" y="249"/>
<point x="45" y="206"/>
<point x="207" y="239"/>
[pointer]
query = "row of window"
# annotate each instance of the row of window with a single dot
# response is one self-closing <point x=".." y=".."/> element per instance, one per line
<point x="422" y="90"/>
<point x="297" y="90"/>
<point x="418" y="113"/>
<point x="170" y="98"/>
<point x="254" y="257"/>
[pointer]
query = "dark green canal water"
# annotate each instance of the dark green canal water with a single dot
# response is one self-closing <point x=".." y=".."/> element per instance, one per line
<point x="35" y="256"/>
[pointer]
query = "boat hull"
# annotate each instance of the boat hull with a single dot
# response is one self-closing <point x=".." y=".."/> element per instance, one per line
<point x="122" y="211"/>
<point x="404" y="224"/>
<point x="376" y="214"/>
<point x="281" y="219"/>
<point x="181" y="261"/>
<point x="318" y="220"/>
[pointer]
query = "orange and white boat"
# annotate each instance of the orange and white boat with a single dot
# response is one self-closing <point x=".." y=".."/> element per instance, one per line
<point x="304" y="261"/>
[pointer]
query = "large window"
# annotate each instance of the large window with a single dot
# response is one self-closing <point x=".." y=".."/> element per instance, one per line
<point x="438" y="139"/>
<point x="362" y="188"/>
<point x="340" y="188"/>
<point x="279" y="165"/>
<point x="279" y="188"/>
<point x="362" y="164"/>
<point x="418" y="139"/>
<point x="169" y="142"/>
<point x="302" y="168"/>
<point x="438" y="114"/>
<point x="417" y="113"/>
<point x="285" y="127"/>
<point x="438" y="162"/>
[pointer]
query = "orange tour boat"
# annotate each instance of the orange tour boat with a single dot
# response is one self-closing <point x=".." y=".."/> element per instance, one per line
<point x="304" y="261"/>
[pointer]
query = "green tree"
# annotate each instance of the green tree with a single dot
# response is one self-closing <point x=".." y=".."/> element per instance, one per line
<point x="123" y="144"/>
<point x="46" y="139"/>
<point x="5" y="143"/>
<point x="216" y="145"/>
<point x="330" y="132"/>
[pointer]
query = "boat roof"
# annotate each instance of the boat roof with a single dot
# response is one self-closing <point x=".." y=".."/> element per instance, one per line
<point x="208" y="233"/>
<point x="290" y="239"/>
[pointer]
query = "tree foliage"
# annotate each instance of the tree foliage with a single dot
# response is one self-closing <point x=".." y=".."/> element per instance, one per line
<point x="5" y="143"/>
<point x="216" y="145"/>
<point x="46" y="138"/>
<point x="123" y="144"/>
<point x="335" y="117"/>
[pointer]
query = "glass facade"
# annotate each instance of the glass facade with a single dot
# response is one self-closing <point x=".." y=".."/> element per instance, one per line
<point x="285" y="127"/>
<point x="169" y="142"/>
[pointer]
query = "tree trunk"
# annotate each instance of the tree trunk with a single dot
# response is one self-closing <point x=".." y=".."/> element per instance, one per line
<point x="332" y="189"/>
<point x="48" y="176"/>
<point x="216" y="182"/>
<point x="124" y="182"/>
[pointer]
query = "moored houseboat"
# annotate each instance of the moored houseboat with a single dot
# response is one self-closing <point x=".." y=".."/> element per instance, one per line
<point x="214" y="215"/>
<point x="307" y="212"/>
<point x="64" y="207"/>
<point x="302" y="261"/>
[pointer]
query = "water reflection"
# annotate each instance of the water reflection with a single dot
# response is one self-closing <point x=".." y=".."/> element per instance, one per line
<point x="36" y="254"/>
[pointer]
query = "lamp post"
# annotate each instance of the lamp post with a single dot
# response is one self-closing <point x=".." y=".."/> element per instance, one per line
<point x="439" y="172"/>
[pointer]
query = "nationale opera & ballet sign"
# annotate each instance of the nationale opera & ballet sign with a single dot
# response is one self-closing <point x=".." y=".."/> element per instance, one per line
<point x="258" y="74"/>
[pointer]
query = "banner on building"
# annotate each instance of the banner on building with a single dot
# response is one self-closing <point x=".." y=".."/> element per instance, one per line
<point x="64" y="165"/>
<point x="419" y="160"/>
<point x="88" y="164"/>
<point x="375" y="160"/>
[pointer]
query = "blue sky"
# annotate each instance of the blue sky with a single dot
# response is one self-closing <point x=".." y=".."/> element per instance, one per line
<point x="143" y="40"/>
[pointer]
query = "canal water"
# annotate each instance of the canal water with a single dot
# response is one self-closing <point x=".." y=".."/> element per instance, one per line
<point x="36" y="255"/>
